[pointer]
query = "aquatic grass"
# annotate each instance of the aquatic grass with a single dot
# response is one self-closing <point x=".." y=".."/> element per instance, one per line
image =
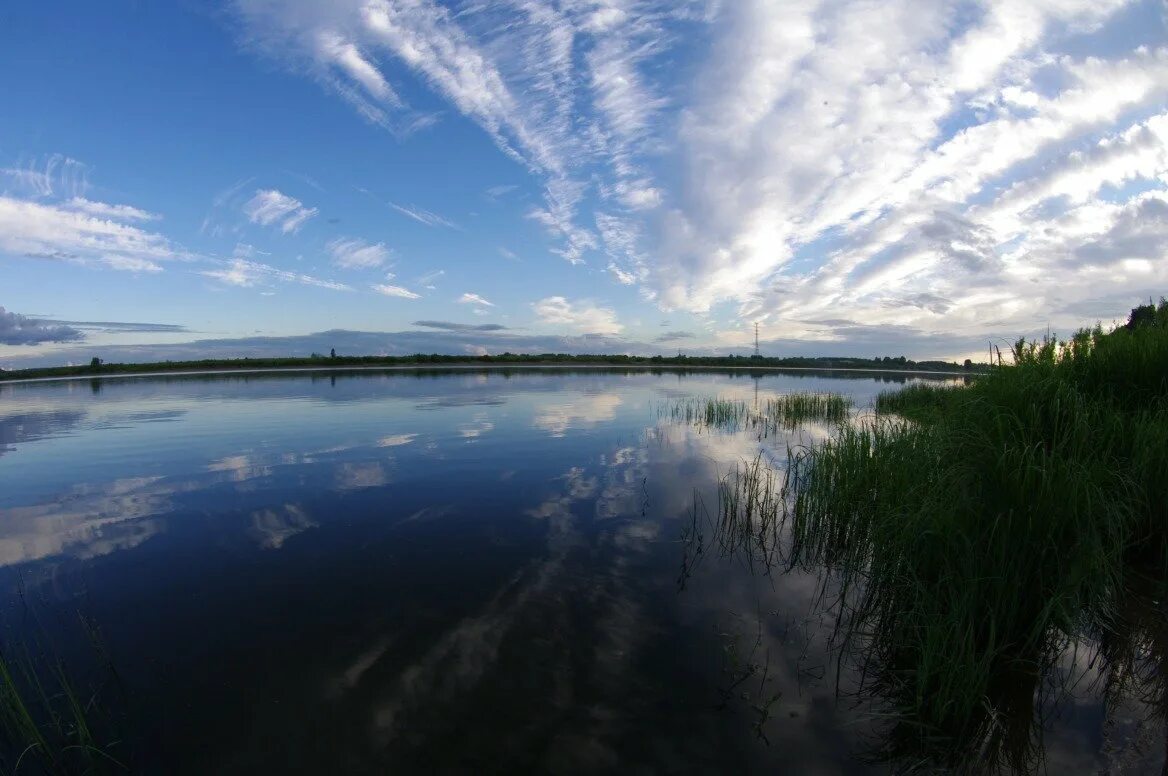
<point x="718" y="413"/>
<point x="975" y="541"/>
<point x="786" y="412"/>
<point x="750" y="511"/>
<point x="46" y="724"/>
<point x="917" y="400"/>
<point x="792" y="410"/>
<point x="750" y="514"/>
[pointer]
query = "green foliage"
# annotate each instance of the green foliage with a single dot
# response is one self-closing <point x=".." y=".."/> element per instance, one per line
<point x="917" y="401"/>
<point x="788" y="411"/>
<point x="50" y="721"/>
<point x="1148" y="315"/>
<point x="974" y="531"/>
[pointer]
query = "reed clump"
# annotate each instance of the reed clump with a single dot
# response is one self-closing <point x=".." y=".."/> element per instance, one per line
<point x="792" y="410"/>
<point x="977" y="539"/>
<point x="718" y="413"/>
<point x="786" y="412"/>
<point x="917" y="401"/>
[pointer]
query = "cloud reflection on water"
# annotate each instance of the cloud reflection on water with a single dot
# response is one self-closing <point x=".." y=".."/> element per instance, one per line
<point x="587" y="411"/>
<point x="581" y="636"/>
<point x="88" y="521"/>
<point x="273" y="527"/>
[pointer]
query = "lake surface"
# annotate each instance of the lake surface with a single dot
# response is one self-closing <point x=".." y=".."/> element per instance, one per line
<point x="453" y="571"/>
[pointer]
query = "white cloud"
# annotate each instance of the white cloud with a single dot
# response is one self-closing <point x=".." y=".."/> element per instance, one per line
<point x="104" y="210"/>
<point x="583" y="317"/>
<point x="387" y="290"/>
<point x="58" y="175"/>
<point x="333" y="48"/>
<point x="495" y="192"/>
<point x="622" y="277"/>
<point x="638" y="195"/>
<point x="245" y="273"/>
<point x="474" y="299"/>
<point x="423" y="216"/>
<point x="56" y="232"/>
<point x="819" y="155"/>
<point x="825" y="174"/>
<point x="427" y="281"/>
<point x="352" y="253"/>
<point x="562" y="88"/>
<point x="271" y="207"/>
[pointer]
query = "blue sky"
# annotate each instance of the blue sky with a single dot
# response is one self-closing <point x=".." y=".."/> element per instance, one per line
<point x="599" y="175"/>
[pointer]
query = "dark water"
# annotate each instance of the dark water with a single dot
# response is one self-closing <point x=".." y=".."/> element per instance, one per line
<point x="408" y="572"/>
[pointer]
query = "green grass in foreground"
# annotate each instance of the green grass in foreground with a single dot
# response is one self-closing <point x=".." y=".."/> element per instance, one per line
<point x="51" y="720"/>
<point x="974" y="542"/>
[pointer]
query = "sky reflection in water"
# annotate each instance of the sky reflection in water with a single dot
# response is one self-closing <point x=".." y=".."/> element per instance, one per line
<point x="466" y="570"/>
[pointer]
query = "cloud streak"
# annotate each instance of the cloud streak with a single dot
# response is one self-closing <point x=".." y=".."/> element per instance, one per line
<point x="16" y="329"/>
<point x="385" y="289"/>
<point x="244" y="273"/>
<point x="270" y="207"/>
<point x="350" y="253"/>
<point x="449" y="326"/>
<point x="423" y="216"/>
<point x="475" y="299"/>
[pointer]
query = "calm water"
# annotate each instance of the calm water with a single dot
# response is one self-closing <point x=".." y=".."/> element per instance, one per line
<point x="467" y="571"/>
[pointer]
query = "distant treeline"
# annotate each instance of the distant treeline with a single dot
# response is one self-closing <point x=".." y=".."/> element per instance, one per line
<point x="100" y="367"/>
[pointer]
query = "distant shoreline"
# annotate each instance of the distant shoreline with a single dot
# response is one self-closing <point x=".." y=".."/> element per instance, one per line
<point x="177" y="370"/>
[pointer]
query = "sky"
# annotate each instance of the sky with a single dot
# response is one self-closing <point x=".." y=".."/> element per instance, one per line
<point x="873" y="177"/>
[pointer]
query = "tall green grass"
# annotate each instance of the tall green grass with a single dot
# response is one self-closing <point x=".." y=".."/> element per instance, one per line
<point x="971" y="543"/>
<point x="786" y="412"/>
<point x="792" y="410"/>
<point x="51" y="721"/>
<point x="750" y="512"/>
<point x="917" y="401"/>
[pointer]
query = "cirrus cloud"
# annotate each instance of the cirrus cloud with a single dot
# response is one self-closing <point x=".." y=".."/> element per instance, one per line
<point x="385" y="289"/>
<point x="351" y="253"/>
<point x="245" y="273"/>
<point x="474" y="299"/>
<point x="270" y="207"/>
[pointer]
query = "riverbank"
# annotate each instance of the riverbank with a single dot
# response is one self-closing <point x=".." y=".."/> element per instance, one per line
<point x="293" y="365"/>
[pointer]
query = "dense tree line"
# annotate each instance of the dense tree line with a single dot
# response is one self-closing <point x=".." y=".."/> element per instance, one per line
<point x="99" y="367"/>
